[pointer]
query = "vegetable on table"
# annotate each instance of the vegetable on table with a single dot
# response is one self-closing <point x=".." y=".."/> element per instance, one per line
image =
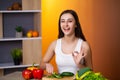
<point x="38" y="73"/>
<point x="88" y="74"/>
<point x="64" y="74"/>
<point x="55" y="75"/>
<point x="32" y="68"/>
<point x="27" y="74"/>
<point x="67" y="74"/>
<point x="32" y="72"/>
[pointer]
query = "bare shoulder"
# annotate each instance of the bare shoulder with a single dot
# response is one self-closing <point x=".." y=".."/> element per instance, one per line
<point x="53" y="44"/>
<point x="50" y="51"/>
<point x="85" y="45"/>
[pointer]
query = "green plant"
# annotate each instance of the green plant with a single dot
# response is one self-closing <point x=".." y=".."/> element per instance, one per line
<point x="18" y="28"/>
<point x="16" y="53"/>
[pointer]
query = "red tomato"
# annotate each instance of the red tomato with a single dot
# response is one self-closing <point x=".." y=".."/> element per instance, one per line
<point x="27" y="74"/>
<point x="38" y="73"/>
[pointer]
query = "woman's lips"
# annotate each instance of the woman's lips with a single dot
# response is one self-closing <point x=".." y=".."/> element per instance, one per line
<point x="66" y="29"/>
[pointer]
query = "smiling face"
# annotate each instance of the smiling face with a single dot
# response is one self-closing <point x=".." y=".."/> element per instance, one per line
<point x="68" y="24"/>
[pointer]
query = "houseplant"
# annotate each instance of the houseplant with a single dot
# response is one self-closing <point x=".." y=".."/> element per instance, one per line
<point x="19" y="31"/>
<point x="16" y="55"/>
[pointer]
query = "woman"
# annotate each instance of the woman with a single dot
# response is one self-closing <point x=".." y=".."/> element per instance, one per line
<point x="71" y="50"/>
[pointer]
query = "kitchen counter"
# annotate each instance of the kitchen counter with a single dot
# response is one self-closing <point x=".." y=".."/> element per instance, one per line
<point x="65" y="78"/>
<point x="13" y="76"/>
<point x="18" y="76"/>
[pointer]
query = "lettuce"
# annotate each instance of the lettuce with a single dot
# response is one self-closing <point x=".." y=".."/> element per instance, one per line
<point x="94" y="76"/>
<point x="88" y="74"/>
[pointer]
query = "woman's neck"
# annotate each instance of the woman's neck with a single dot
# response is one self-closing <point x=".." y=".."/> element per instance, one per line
<point x="69" y="39"/>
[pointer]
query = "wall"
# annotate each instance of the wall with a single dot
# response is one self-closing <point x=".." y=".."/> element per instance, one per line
<point x="100" y="22"/>
<point x="106" y="45"/>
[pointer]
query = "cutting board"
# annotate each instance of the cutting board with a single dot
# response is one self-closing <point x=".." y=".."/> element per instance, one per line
<point x="65" y="78"/>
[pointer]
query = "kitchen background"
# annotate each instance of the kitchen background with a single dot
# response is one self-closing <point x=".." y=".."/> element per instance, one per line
<point x="100" y="21"/>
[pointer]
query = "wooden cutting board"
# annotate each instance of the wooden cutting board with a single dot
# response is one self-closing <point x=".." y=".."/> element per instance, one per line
<point x="65" y="78"/>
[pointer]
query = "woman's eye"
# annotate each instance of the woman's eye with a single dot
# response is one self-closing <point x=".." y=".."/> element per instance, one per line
<point x="62" y="21"/>
<point x="69" y="21"/>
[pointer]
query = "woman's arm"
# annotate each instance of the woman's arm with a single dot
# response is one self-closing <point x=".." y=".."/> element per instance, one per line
<point x="87" y="54"/>
<point x="48" y="56"/>
<point x="84" y="58"/>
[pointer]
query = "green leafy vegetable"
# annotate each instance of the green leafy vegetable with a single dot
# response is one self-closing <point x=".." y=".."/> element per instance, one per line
<point x="94" y="76"/>
<point x="88" y="74"/>
<point x="55" y="75"/>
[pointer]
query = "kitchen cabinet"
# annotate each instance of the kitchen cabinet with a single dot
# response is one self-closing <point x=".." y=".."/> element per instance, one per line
<point x="29" y="17"/>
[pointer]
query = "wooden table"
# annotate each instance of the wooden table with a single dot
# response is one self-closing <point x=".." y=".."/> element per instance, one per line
<point x="18" y="76"/>
<point x="13" y="76"/>
<point x="65" y="78"/>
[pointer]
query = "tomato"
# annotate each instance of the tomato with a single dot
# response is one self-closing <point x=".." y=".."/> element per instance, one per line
<point x="27" y="74"/>
<point x="38" y="73"/>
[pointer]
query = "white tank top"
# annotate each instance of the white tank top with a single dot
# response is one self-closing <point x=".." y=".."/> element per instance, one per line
<point x="65" y="62"/>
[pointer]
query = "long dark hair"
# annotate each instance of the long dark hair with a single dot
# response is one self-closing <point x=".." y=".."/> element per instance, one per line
<point x="78" y="30"/>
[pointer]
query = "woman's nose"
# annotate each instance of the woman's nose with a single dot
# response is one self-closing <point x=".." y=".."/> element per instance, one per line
<point x="66" y="23"/>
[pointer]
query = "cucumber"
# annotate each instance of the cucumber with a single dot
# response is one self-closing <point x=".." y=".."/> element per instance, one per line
<point x="67" y="74"/>
<point x="83" y="70"/>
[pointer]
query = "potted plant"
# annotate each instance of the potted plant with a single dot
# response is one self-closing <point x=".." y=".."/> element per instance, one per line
<point x="19" y="31"/>
<point x="16" y="55"/>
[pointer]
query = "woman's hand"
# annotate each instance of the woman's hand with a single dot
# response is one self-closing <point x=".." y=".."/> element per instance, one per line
<point x="79" y="57"/>
<point x="49" y="68"/>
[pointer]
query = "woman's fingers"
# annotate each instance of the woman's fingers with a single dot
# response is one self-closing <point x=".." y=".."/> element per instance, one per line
<point x="75" y="53"/>
<point x="82" y="61"/>
<point x="79" y="57"/>
<point x="49" y="68"/>
<point x="76" y="57"/>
